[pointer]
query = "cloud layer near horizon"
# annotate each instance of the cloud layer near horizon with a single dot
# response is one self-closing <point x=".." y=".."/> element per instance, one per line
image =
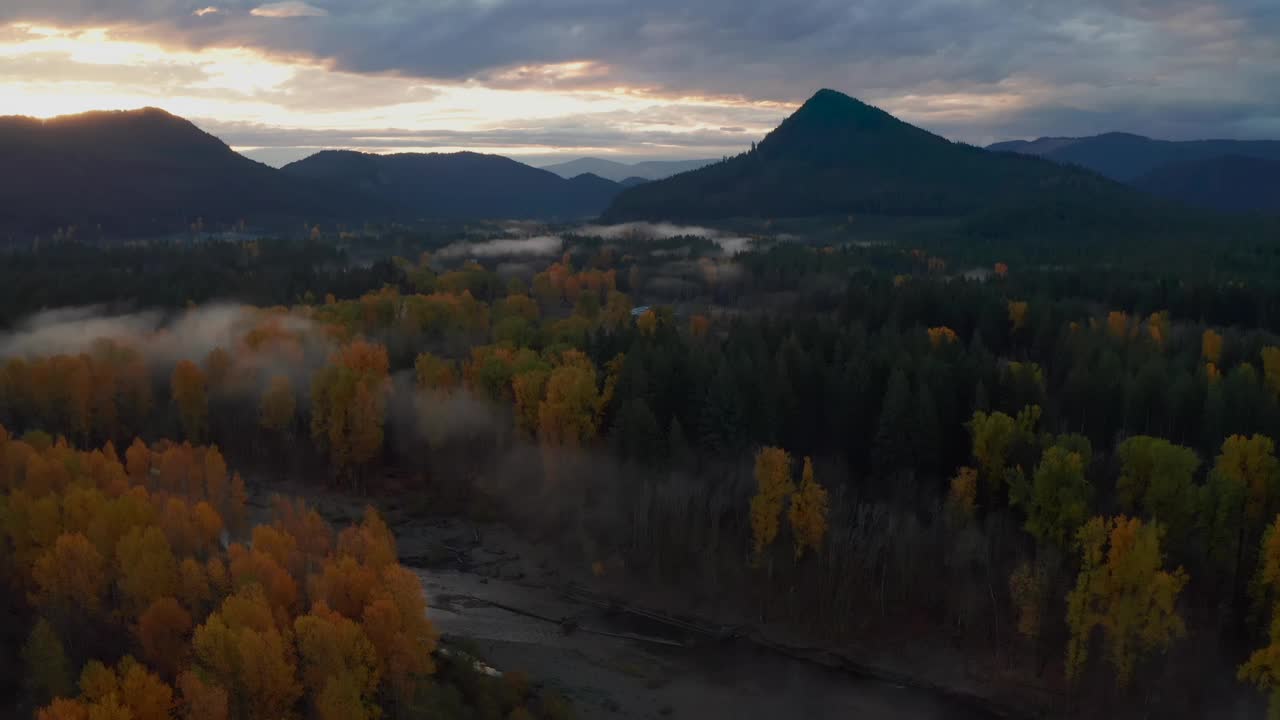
<point x="655" y="79"/>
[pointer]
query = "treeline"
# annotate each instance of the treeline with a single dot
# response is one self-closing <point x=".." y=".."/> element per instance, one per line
<point x="172" y="275"/>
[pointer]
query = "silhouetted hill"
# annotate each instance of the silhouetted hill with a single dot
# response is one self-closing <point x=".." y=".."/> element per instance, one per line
<point x="836" y="155"/>
<point x="137" y="171"/>
<point x="620" y="172"/>
<point x="1231" y="183"/>
<point x="458" y="185"/>
<point x="632" y="181"/>
<point x="1126" y="157"/>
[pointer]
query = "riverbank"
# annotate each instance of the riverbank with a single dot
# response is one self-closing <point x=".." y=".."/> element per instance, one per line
<point x="509" y="599"/>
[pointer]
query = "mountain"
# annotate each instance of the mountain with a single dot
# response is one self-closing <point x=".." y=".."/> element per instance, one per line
<point x="620" y="172"/>
<point x="836" y="155"/>
<point x="1126" y="157"/>
<point x="458" y="185"/>
<point x="138" y="171"/>
<point x="1231" y="183"/>
<point x="632" y="181"/>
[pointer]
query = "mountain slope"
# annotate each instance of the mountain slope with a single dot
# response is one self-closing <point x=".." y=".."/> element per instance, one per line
<point x="620" y="172"/>
<point x="1230" y="183"/>
<point x="136" y="171"/>
<point x="1126" y="157"/>
<point x="836" y="155"/>
<point x="458" y="185"/>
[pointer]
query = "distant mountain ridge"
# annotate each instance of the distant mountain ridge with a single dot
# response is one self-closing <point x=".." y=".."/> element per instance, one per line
<point x="837" y="155"/>
<point x="139" y="171"/>
<point x="1236" y="173"/>
<point x="622" y="172"/>
<point x="1231" y="183"/>
<point x="149" y="172"/>
<point x="1126" y="157"/>
<point x="459" y="185"/>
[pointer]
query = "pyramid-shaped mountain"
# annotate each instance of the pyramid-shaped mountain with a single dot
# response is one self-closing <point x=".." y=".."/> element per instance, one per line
<point x="837" y="155"/>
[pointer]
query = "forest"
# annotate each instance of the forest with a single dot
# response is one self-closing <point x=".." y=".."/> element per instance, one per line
<point x="1023" y="453"/>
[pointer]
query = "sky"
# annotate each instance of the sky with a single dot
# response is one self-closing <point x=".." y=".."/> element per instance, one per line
<point x="547" y="80"/>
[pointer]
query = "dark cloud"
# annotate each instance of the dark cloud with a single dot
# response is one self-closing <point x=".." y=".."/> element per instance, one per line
<point x="972" y="69"/>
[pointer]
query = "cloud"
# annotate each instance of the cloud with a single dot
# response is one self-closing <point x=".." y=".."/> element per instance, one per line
<point x="975" y="70"/>
<point x="641" y="231"/>
<point x="288" y="9"/>
<point x="208" y="10"/>
<point x="541" y="245"/>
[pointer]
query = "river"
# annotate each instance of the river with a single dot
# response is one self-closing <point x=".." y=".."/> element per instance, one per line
<point x="632" y="671"/>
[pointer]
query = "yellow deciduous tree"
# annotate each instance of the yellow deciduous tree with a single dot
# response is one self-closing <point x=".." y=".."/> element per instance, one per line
<point x="1017" y="314"/>
<point x="939" y="336"/>
<point x="962" y="497"/>
<point x="1123" y="589"/>
<point x="70" y="577"/>
<point x="1211" y="347"/>
<point x="773" y="486"/>
<point x="1262" y="669"/>
<point x="808" y="512"/>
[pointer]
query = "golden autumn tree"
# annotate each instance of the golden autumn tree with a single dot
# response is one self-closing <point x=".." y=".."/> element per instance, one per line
<point x="699" y="325"/>
<point x="1124" y="590"/>
<point x="348" y="405"/>
<point x="569" y="413"/>
<point x="432" y="372"/>
<point x="962" y="496"/>
<point x="1118" y="324"/>
<point x="647" y="322"/>
<point x="240" y="648"/>
<point x="1211" y="347"/>
<point x="147" y="568"/>
<point x="163" y="632"/>
<point x="808" y="512"/>
<point x="395" y="620"/>
<point x="201" y="700"/>
<point x="333" y="651"/>
<point x="943" y="335"/>
<point x="1017" y="314"/>
<point x="70" y="577"/>
<point x="1262" y="669"/>
<point x="1271" y="369"/>
<point x="773" y="486"/>
<point x="188" y="388"/>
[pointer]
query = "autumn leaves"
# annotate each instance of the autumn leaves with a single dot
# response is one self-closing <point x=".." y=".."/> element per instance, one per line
<point x="806" y="506"/>
<point x="129" y="557"/>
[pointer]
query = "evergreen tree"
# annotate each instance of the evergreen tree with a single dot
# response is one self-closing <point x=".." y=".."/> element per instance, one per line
<point x="896" y="431"/>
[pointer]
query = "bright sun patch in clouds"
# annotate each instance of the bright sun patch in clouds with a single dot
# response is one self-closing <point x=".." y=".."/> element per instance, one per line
<point x="255" y="100"/>
<point x="290" y="9"/>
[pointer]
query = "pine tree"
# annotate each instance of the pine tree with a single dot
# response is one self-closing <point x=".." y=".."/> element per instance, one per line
<point x="895" y="432"/>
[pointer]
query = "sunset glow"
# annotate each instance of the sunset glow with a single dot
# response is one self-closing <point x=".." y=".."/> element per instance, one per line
<point x="66" y="71"/>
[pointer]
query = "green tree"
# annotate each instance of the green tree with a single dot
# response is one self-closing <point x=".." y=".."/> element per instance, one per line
<point x="1157" y="477"/>
<point x="892" y="451"/>
<point x="1059" y="497"/>
<point x="47" y="673"/>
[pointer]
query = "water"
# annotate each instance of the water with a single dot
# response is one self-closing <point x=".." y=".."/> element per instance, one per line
<point x="628" y="678"/>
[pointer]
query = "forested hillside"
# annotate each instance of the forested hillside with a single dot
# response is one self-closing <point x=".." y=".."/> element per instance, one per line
<point x="1066" y="470"/>
<point x="838" y="156"/>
